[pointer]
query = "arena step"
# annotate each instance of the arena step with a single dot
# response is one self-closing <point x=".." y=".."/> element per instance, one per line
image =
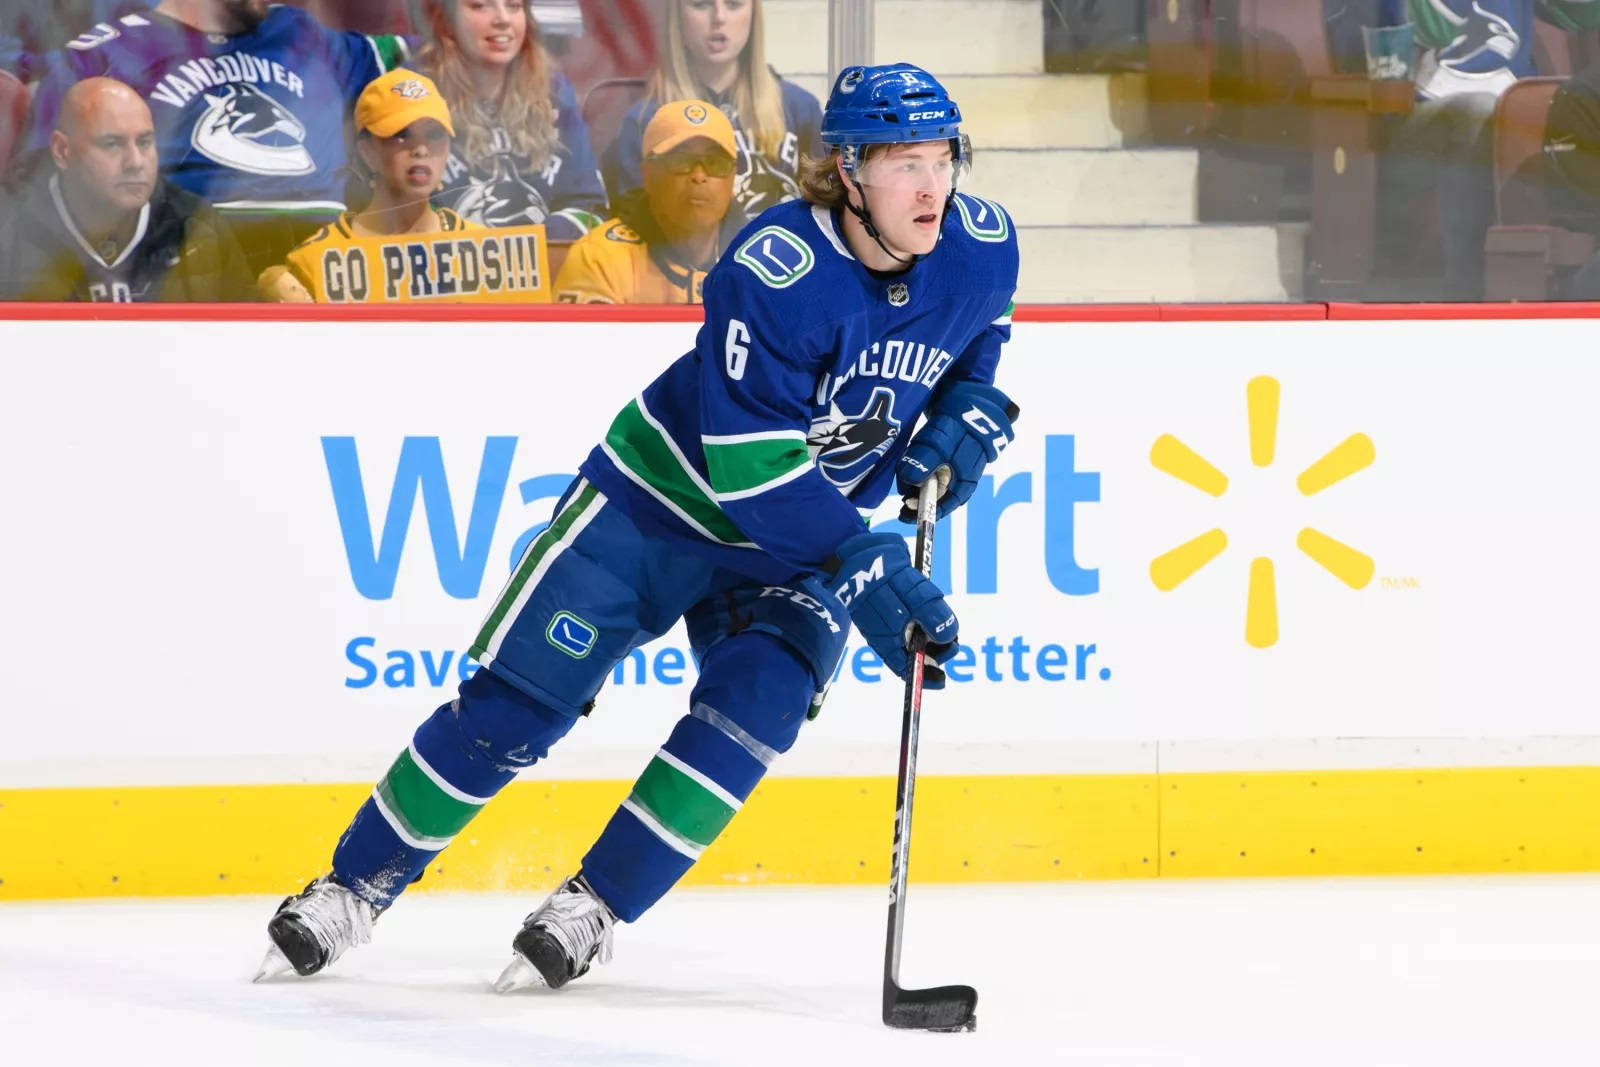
<point x="1171" y="264"/>
<point x="943" y="36"/>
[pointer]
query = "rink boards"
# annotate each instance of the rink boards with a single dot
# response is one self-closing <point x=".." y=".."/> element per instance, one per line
<point x="1244" y="598"/>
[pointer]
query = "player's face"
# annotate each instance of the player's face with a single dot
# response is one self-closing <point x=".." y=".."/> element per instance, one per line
<point x="689" y="188"/>
<point x="491" y="32"/>
<point x="715" y="31"/>
<point x="905" y="187"/>
<point x="110" y="161"/>
<point x="242" y="16"/>
<point x="410" y="164"/>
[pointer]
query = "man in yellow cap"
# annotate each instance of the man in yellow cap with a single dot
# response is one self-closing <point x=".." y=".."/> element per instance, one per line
<point x="665" y="238"/>
<point x="403" y="133"/>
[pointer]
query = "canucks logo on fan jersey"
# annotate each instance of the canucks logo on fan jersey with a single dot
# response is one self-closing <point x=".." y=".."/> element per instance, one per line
<point x="246" y="129"/>
<point x="847" y="447"/>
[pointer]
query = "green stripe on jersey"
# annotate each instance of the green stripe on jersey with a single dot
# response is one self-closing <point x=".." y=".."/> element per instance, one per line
<point x="390" y="48"/>
<point x="681" y="804"/>
<point x="425" y="810"/>
<point x="530" y="562"/>
<point x="737" y="467"/>
<point x="646" y="453"/>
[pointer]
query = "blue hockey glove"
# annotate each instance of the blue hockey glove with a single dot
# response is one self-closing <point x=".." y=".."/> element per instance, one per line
<point x="886" y="596"/>
<point x="965" y="429"/>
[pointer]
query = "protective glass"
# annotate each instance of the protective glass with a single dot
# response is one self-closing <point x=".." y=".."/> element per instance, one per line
<point x="680" y="162"/>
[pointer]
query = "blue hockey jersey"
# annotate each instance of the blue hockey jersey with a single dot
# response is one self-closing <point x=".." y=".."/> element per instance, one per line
<point x="760" y="448"/>
<point x="252" y="121"/>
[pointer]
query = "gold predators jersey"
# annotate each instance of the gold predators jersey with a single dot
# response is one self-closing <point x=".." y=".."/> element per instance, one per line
<point x="611" y="264"/>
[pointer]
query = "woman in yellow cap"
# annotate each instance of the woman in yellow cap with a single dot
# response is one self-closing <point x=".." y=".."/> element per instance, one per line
<point x="403" y="133"/>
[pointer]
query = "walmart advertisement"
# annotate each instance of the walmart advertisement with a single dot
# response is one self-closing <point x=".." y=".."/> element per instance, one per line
<point x="240" y="552"/>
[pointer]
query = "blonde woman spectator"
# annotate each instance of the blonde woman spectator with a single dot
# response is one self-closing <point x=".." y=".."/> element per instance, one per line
<point x="403" y="140"/>
<point x="521" y="154"/>
<point x="714" y="51"/>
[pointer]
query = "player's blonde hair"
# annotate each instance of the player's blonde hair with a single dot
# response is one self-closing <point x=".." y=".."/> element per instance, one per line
<point x="756" y="94"/>
<point x="525" y="108"/>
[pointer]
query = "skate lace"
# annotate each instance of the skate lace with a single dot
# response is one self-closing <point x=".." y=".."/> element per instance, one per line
<point x="337" y="917"/>
<point x="580" y="922"/>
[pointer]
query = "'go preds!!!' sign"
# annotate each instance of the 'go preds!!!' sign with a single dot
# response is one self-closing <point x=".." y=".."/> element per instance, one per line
<point x="502" y="266"/>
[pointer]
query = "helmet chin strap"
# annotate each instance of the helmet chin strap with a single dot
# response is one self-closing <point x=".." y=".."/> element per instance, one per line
<point x="864" y="214"/>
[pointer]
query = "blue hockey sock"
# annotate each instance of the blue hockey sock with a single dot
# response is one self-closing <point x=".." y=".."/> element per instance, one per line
<point x="459" y="758"/>
<point x="752" y="696"/>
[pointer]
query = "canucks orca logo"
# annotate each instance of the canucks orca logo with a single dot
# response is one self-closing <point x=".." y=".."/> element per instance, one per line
<point x="247" y="130"/>
<point x="1478" y="33"/>
<point x="848" y="447"/>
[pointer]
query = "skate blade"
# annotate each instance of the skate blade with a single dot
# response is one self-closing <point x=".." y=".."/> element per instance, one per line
<point x="273" y="964"/>
<point x="519" y="974"/>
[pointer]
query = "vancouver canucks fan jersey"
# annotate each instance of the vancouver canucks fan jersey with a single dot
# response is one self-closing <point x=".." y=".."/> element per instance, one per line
<point x="762" y="446"/>
<point x="1483" y="46"/>
<point x="255" y="120"/>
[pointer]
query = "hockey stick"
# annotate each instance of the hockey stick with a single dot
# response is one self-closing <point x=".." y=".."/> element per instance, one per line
<point x="951" y="1007"/>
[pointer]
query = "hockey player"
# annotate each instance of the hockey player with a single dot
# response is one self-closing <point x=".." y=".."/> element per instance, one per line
<point x="725" y="494"/>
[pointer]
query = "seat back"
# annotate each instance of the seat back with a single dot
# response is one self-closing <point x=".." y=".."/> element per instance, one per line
<point x="605" y="104"/>
<point x="1518" y="139"/>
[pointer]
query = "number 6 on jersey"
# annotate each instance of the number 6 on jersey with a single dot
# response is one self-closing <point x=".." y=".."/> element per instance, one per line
<point x="735" y="350"/>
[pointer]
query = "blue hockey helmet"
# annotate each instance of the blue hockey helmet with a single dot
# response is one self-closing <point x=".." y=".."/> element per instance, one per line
<point x="894" y="103"/>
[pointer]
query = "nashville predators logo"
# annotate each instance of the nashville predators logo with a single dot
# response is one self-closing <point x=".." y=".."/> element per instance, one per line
<point x="695" y="113"/>
<point x="410" y="89"/>
<point x="848" y="447"/>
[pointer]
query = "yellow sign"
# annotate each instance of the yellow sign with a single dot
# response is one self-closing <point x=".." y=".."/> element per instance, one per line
<point x="505" y="266"/>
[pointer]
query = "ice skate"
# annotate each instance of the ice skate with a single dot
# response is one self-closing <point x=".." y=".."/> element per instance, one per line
<point x="313" y="928"/>
<point x="559" y="941"/>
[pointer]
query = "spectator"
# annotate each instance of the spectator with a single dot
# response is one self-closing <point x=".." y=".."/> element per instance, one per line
<point x="665" y="239"/>
<point x="403" y="132"/>
<point x="1469" y="52"/>
<point x="523" y="154"/>
<point x="105" y="225"/>
<point x="714" y="52"/>
<point x="250" y="101"/>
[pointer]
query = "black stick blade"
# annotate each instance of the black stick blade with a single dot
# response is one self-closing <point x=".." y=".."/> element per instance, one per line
<point x="946" y="1008"/>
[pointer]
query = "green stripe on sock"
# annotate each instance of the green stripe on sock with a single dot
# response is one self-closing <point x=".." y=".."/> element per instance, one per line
<point x="643" y="450"/>
<point x="421" y="806"/>
<point x="530" y="563"/>
<point x="735" y="468"/>
<point x="680" y="803"/>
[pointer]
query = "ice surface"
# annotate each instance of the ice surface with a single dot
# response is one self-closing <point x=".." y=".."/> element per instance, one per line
<point x="1351" y="972"/>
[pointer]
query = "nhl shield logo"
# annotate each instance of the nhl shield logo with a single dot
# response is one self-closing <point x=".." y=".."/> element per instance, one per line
<point x="899" y="294"/>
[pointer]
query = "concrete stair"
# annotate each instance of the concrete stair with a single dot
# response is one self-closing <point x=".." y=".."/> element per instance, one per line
<point x="955" y="36"/>
<point x="1101" y="216"/>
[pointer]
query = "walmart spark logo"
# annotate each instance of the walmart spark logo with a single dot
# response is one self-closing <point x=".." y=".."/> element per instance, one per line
<point x="1172" y="456"/>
